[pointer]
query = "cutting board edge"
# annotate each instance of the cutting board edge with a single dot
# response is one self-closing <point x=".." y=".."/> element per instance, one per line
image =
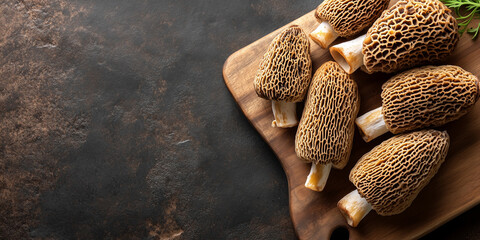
<point x="449" y="217"/>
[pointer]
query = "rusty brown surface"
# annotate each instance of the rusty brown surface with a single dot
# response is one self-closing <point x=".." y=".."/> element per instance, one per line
<point x="35" y="129"/>
<point x="116" y="124"/>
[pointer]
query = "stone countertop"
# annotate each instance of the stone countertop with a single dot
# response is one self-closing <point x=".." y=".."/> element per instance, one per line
<point x="116" y="123"/>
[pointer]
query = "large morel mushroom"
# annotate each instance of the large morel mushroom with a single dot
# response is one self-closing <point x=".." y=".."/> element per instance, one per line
<point x="410" y="33"/>
<point x="284" y="75"/>
<point x="345" y="18"/>
<point x="428" y="96"/>
<point x="390" y="176"/>
<point x="325" y="133"/>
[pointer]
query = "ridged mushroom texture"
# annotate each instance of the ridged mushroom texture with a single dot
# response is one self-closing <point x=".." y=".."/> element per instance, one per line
<point x="325" y="133"/>
<point x="345" y="18"/>
<point x="428" y="96"/>
<point x="410" y="33"/>
<point x="284" y="75"/>
<point x="390" y="176"/>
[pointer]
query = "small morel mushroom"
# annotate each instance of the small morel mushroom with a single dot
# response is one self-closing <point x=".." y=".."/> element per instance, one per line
<point x="284" y="75"/>
<point x="345" y="18"/>
<point x="428" y="96"/>
<point x="390" y="176"/>
<point x="410" y="33"/>
<point x="325" y="133"/>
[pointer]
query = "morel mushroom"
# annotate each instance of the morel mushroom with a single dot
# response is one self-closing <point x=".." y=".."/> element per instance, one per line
<point x="428" y="96"/>
<point x="390" y="176"/>
<point x="345" y="18"/>
<point x="410" y="33"/>
<point x="325" y="133"/>
<point x="284" y="75"/>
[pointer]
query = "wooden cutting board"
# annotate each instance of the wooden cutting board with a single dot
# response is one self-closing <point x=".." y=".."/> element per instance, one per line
<point x="454" y="190"/>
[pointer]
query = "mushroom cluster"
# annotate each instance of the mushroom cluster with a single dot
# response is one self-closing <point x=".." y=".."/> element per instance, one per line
<point x="284" y="75"/>
<point x="410" y="33"/>
<point x="325" y="133"/>
<point x="390" y="176"/>
<point x="428" y="96"/>
<point x="345" y="18"/>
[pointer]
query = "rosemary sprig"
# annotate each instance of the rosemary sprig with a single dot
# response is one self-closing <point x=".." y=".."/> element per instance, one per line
<point x="472" y="9"/>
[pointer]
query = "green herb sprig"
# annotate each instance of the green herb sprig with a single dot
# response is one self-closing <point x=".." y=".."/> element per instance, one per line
<point x="472" y="8"/>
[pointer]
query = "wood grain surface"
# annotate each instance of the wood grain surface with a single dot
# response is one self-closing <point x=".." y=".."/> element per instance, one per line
<point x="455" y="189"/>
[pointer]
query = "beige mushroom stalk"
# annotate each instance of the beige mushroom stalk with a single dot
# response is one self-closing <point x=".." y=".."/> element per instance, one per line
<point x="390" y="176"/>
<point x="345" y="18"/>
<point x="324" y="34"/>
<point x="428" y="96"/>
<point x="410" y="33"/>
<point x="325" y="133"/>
<point x="349" y="54"/>
<point x="284" y="75"/>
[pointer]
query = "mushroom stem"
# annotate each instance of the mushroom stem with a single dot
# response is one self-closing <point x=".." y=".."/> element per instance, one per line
<point x="349" y="54"/>
<point x="318" y="176"/>
<point x="371" y="124"/>
<point x="285" y="114"/>
<point x="324" y="34"/>
<point x="354" y="208"/>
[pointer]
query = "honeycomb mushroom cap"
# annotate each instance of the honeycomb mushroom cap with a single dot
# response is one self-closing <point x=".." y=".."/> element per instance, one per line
<point x="410" y="33"/>
<point x="428" y="96"/>
<point x="325" y="132"/>
<point x="350" y="17"/>
<point x="392" y="174"/>
<point x="286" y="68"/>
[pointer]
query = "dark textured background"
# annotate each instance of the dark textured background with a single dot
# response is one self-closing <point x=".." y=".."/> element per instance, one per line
<point x="116" y="123"/>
